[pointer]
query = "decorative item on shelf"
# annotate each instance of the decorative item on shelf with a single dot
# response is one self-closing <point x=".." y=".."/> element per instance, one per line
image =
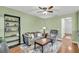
<point x="7" y="24"/>
<point x="12" y="19"/>
<point x="17" y="34"/>
<point x="6" y="18"/>
<point x="9" y="19"/>
<point x="7" y="29"/>
<point x="16" y="19"/>
<point x="15" y="25"/>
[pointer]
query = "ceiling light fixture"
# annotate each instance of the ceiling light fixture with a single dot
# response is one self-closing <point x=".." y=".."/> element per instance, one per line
<point x="46" y="9"/>
<point x="45" y="13"/>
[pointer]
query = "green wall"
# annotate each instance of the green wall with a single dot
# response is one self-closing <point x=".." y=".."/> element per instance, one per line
<point x="77" y="22"/>
<point x="55" y="23"/>
<point x="28" y="22"/>
<point x="33" y="23"/>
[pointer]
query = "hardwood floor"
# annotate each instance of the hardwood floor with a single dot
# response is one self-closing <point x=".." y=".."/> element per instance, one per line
<point x="67" y="46"/>
<point x="16" y="50"/>
<point x="72" y="49"/>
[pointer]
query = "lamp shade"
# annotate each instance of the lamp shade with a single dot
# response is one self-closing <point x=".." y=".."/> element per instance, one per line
<point x="44" y="27"/>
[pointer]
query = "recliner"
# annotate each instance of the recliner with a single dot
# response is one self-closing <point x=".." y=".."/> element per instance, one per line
<point x="53" y="35"/>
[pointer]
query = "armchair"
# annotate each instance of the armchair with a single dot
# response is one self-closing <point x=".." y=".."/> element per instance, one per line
<point x="26" y="38"/>
<point x="53" y="35"/>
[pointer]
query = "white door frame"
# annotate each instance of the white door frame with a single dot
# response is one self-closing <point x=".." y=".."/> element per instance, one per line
<point x="63" y="26"/>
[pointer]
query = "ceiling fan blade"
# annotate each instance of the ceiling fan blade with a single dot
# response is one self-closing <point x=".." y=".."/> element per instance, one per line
<point x="50" y="7"/>
<point x="39" y="11"/>
<point x="50" y="11"/>
<point x="43" y="8"/>
<point x="40" y="7"/>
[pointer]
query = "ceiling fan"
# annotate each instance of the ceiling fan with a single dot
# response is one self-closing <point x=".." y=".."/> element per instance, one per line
<point x="46" y="10"/>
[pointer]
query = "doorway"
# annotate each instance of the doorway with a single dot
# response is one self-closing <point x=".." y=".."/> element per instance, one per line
<point x="66" y="26"/>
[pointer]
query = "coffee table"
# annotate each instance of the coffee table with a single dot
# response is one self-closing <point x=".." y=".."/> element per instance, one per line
<point x="42" y="42"/>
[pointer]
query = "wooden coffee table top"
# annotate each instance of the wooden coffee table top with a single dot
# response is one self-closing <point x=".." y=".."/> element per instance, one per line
<point x="43" y="41"/>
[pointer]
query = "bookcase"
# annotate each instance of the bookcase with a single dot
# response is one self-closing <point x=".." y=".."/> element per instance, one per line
<point x="12" y="30"/>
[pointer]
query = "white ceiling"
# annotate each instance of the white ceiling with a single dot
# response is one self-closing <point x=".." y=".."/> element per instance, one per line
<point x="58" y="10"/>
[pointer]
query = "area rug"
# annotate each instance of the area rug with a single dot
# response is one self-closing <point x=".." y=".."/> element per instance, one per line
<point x="49" y="48"/>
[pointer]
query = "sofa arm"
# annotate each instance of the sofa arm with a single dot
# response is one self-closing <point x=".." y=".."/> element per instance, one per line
<point x="4" y="48"/>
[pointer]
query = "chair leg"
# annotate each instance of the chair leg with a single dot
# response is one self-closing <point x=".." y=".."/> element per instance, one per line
<point x="42" y="49"/>
<point x="52" y="42"/>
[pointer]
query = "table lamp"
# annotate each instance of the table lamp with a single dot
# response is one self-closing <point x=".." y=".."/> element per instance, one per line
<point x="44" y="28"/>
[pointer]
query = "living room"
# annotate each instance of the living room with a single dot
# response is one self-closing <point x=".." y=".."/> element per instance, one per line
<point x="33" y="19"/>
